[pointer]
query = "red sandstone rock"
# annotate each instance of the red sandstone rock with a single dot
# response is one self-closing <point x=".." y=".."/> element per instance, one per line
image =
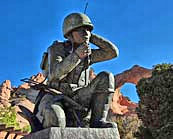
<point x="28" y="104"/>
<point x="38" y="78"/>
<point x="5" y="93"/>
<point x="120" y="104"/>
<point x="132" y="75"/>
<point x="25" y="88"/>
<point x="5" y="90"/>
<point x="11" y="136"/>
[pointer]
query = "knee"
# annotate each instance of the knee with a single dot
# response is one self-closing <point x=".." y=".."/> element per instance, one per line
<point x="106" y="81"/>
<point x="58" y="111"/>
<point x="106" y="75"/>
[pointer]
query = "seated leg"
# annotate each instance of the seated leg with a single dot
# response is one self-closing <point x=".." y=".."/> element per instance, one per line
<point x="98" y="96"/>
<point x="101" y="100"/>
<point x="52" y="112"/>
<point x="100" y="107"/>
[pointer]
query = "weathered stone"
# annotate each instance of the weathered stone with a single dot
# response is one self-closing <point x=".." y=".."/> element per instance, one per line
<point x="132" y="75"/>
<point x="5" y="90"/>
<point x="121" y="105"/>
<point x="30" y="93"/>
<point x="75" y="133"/>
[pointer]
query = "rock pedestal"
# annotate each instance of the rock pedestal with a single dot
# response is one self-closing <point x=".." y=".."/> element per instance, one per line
<point x="75" y="133"/>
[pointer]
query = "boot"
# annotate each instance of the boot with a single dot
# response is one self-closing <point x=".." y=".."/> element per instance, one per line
<point x="100" y="107"/>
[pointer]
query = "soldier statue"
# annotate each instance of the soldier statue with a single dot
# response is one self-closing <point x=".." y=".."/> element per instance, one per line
<point x="66" y="67"/>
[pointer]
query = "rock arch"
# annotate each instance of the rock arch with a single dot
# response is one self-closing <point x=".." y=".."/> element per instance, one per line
<point x="121" y="105"/>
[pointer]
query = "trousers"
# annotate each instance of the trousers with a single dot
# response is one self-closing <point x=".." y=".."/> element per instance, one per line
<point x="53" y="113"/>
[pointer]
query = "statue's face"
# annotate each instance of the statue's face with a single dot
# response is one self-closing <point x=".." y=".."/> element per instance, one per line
<point x="81" y="35"/>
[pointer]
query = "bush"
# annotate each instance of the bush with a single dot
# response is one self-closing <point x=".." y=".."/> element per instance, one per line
<point x="8" y="117"/>
<point x="26" y="128"/>
<point x="127" y="125"/>
<point x="156" y="101"/>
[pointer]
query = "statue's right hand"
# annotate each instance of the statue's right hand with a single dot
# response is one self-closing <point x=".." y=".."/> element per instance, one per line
<point x="83" y="51"/>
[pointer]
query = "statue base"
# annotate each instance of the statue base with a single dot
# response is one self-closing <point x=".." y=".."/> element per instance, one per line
<point x="75" y="133"/>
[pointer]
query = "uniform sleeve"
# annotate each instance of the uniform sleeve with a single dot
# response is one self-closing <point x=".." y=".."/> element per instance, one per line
<point x="59" y="65"/>
<point x="107" y="50"/>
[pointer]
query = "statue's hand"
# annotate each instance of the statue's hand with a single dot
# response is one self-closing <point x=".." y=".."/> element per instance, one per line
<point x="83" y="50"/>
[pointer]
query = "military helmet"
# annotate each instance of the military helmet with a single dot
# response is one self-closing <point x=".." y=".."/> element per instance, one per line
<point x="74" y="21"/>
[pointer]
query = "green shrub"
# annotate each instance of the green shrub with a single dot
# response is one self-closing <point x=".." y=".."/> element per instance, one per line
<point x="8" y="117"/>
<point x="143" y="133"/>
<point x="26" y="128"/>
<point x="127" y="125"/>
<point x="156" y="101"/>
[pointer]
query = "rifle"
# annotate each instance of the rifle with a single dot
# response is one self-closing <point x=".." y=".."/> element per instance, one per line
<point x="68" y="102"/>
<point x="45" y="88"/>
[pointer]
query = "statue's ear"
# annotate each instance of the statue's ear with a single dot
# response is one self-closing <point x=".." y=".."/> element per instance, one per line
<point x="70" y="37"/>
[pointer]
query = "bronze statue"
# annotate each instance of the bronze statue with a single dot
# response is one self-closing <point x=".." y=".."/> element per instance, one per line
<point x="66" y="66"/>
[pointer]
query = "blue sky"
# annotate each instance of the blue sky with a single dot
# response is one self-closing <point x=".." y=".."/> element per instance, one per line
<point x="142" y="30"/>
